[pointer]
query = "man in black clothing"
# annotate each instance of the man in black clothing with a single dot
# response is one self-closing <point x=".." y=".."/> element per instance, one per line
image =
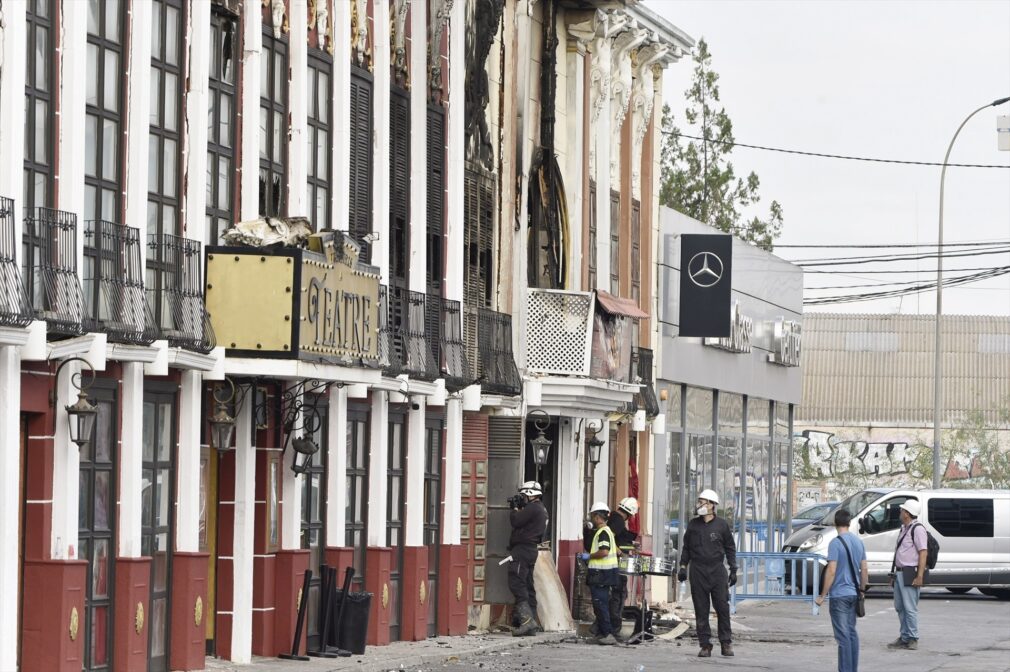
<point x="529" y="522"/>
<point x="708" y="541"/>
<point x="617" y="522"/>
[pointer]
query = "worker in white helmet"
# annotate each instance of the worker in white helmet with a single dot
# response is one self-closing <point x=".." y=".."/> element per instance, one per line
<point x="626" y="541"/>
<point x="602" y="574"/>
<point x="708" y="547"/>
<point x="528" y="518"/>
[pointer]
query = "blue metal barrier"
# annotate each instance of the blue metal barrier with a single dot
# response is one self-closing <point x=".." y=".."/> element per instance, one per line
<point x="763" y="576"/>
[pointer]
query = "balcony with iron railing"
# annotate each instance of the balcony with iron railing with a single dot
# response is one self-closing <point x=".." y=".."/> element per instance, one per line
<point x="49" y="263"/>
<point x="15" y="308"/>
<point x="487" y="335"/>
<point x="175" y="292"/>
<point x="115" y="300"/>
<point x="456" y="365"/>
<point x="403" y="340"/>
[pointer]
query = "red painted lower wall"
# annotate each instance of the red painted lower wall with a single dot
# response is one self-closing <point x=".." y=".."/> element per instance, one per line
<point x="453" y="590"/>
<point x="289" y="576"/>
<point x="52" y="636"/>
<point x="567" y="548"/>
<point x="377" y="561"/>
<point x="414" y="588"/>
<point x="132" y="614"/>
<point x="264" y="601"/>
<point x="189" y="611"/>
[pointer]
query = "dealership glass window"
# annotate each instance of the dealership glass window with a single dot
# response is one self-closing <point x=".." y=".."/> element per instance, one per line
<point x="318" y="157"/>
<point x="221" y="110"/>
<point x="782" y="413"/>
<point x="699" y="409"/>
<point x="961" y="517"/>
<point x="167" y="28"/>
<point x="273" y="124"/>
<point x="38" y="167"/>
<point x="757" y="494"/>
<point x="698" y="470"/>
<point x="674" y="513"/>
<point x="779" y="499"/>
<point x="757" y="418"/>
<point x="672" y="405"/>
<point x="730" y="413"/>
<point x="727" y="477"/>
<point x="102" y="119"/>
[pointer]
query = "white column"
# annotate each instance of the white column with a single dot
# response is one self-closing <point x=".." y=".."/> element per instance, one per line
<point x="10" y="467"/>
<point x="242" y="543"/>
<point x="336" y="466"/>
<point x="340" y="132"/>
<point x="414" y="518"/>
<point x="378" y="461"/>
<point x="12" y="112"/>
<point x="291" y="492"/>
<point x="298" y="109"/>
<point x="249" y="113"/>
<point x="70" y="174"/>
<point x="187" y="525"/>
<point x="601" y="59"/>
<point x="418" y="149"/>
<point x="575" y="164"/>
<point x="131" y="466"/>
<point x="453" y="471"/>
<point x="138" y="123"/>
<point x="66" y="466"/>
<point x="194" y="196"/>
<point x="455" y="156"/>
<point x="380" y="131"/>
<point x="569" y="497"/>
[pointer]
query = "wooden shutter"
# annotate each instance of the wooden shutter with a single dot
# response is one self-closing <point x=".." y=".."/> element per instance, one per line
<point x="399" y="186"/>
<point x="591" y="279"/>
<point x="435" y="219"/>
<point x="360" y="216"/>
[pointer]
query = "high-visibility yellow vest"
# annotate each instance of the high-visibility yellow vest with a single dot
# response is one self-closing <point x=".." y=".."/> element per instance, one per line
<point x="609" y="561"/>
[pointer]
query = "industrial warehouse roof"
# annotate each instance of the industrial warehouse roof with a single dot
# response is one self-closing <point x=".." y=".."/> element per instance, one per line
<point x="878" y="369"/>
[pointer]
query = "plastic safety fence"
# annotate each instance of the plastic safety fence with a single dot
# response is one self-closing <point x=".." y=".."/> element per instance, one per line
<point x="794" y="577"/>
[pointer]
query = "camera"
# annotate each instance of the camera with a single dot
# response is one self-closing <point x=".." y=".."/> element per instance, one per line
<point x="517" y="501"/>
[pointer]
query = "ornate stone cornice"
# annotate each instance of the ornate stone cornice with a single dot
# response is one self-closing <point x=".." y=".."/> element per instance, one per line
<point x="277" y="15"/>
<point x="439" y="18"/>
<point x="322" y="21"/>
<point x="643" y="96"/>
<point x="359" y="32"/>
<point x="398" y="41"/>
<point x="620" y="88"/>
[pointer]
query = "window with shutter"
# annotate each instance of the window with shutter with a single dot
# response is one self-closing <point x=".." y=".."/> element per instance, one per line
<point x="591" y="280"/>
<point x="479" y="201"/>
<point x="273" y="124"/>
<point x="435" y="243"/>
<point x="615" y="243"/>
<point x="399" y="186"/>
<point x="636" y="264"/>
<point x="38" y="167"/>
<point x="221" y="124"/>
<point x="360" y="216"/>
<point x="320" y="93"/>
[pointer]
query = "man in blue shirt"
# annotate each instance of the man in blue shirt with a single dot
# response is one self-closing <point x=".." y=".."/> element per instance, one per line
<point x="843" y="583"/>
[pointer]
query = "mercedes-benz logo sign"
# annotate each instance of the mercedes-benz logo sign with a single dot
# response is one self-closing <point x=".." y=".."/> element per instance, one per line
<point x="705" y="269"/>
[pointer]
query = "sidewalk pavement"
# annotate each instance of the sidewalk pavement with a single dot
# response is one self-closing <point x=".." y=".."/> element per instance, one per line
<point x="398" y="655"/>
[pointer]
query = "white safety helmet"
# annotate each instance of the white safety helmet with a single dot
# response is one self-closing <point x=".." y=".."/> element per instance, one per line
<point x="629" y="505"/>
<point x="709" y="495"/>
<point x="531" y="489"/>
<point x="913" y="507"/>
<point x="599" y="507"/>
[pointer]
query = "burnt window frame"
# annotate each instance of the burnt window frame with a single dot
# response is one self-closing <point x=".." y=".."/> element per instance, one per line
<point x="362" y="158"/>
<point x="159" y="199"/>
<point x="615" y="243"/>
<point x="591" y="273"/>
<point x="101" y="113"/>
<point x="220" y="207"/>
<point x="273" y="162"/>
<point x="319" y="64"/>
<point x="33" y="166"/>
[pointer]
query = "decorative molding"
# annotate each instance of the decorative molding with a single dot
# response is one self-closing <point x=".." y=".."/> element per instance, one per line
<point x="643" y="96"/>
<point x="483" y="17"/>
<point x="319" y="14"/>
<point x="440" y="10"/>
<point x="359" y="33"/>
<point x="620" y="89"/>
<point x="278" y="14"/>
<point x="606" y="25"/>
<point x="398" y="42"/>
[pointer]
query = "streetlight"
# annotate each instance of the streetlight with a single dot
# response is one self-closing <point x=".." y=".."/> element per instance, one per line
<point x="540" y="445"/>
<point x="222" y="424"/>
<point x="594" y="444"/>
<point x="82" y="414"/>
<point x="937" y="363"/>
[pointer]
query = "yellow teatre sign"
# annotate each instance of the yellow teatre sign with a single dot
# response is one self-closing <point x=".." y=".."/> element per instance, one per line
<point x="316" y="304"/>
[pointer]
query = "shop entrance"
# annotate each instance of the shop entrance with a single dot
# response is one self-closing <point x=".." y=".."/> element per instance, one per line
<point x="96" y="541"/>
<point x="394" y="527"/>
<point x="433" y="434"/>
<point x="157" y="518"/>
<point x="313" y="536"/>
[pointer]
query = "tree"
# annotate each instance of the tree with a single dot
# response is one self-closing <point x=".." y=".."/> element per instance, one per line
<point x="971" y="455"/>
<point x="698" y="178"/>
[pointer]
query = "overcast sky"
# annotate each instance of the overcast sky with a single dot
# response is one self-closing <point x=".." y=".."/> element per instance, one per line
<point x="877" y="79"/>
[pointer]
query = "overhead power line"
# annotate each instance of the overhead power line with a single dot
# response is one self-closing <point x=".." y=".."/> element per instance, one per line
<point x="876" y="260"/>
<point x="892" y="245"/>
<point x="863" y="271"/>
<point x="838" y="156"/>
<point x="894" y="293"/>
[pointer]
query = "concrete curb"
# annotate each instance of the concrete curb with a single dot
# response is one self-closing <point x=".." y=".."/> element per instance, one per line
<point x="412" y="661"/>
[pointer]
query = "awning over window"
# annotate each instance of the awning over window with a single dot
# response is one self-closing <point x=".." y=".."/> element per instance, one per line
<point x="616" y="305"/>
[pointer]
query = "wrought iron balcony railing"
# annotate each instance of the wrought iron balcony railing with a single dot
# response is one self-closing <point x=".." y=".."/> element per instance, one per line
<point x="456" y="367"/>
<point x="15" y="310"/>
<point x="403" y="346"/>
<point x="175" y="292"/>
<point x="114" y="298"/>
<point x="50" y="270"/>
<point x="497" y="372"/>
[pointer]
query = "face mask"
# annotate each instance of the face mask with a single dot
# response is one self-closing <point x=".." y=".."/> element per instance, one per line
<point x="702" y="510"/>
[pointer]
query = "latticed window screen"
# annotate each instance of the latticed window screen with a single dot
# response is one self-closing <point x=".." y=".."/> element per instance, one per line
<point x="557" y="332"/>
<point x="360" y="216"/>
<point x="591" y="280"/>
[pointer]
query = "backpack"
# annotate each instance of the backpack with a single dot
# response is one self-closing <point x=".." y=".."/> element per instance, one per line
<point x="932" y="546"/>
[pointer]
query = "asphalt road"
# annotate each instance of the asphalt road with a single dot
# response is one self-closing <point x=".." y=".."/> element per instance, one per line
<point x="958" y="633"/>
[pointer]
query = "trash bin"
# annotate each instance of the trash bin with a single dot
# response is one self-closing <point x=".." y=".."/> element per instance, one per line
<point x="352" y="631"/>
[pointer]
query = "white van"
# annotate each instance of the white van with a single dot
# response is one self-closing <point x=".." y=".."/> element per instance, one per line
<point x="971" y="526"/>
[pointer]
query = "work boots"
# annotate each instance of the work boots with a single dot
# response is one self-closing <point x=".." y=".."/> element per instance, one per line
<point x="527" y="623"/>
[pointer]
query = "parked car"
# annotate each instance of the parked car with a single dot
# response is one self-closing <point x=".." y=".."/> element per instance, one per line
<point x="971" y="526"/>
<point x="812" y="513"/>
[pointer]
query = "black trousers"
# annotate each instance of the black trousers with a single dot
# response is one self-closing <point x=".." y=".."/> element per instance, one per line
<point x="524" y="558"/>
<point x="618" y="596"/>
<point x="710" y="588"/>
